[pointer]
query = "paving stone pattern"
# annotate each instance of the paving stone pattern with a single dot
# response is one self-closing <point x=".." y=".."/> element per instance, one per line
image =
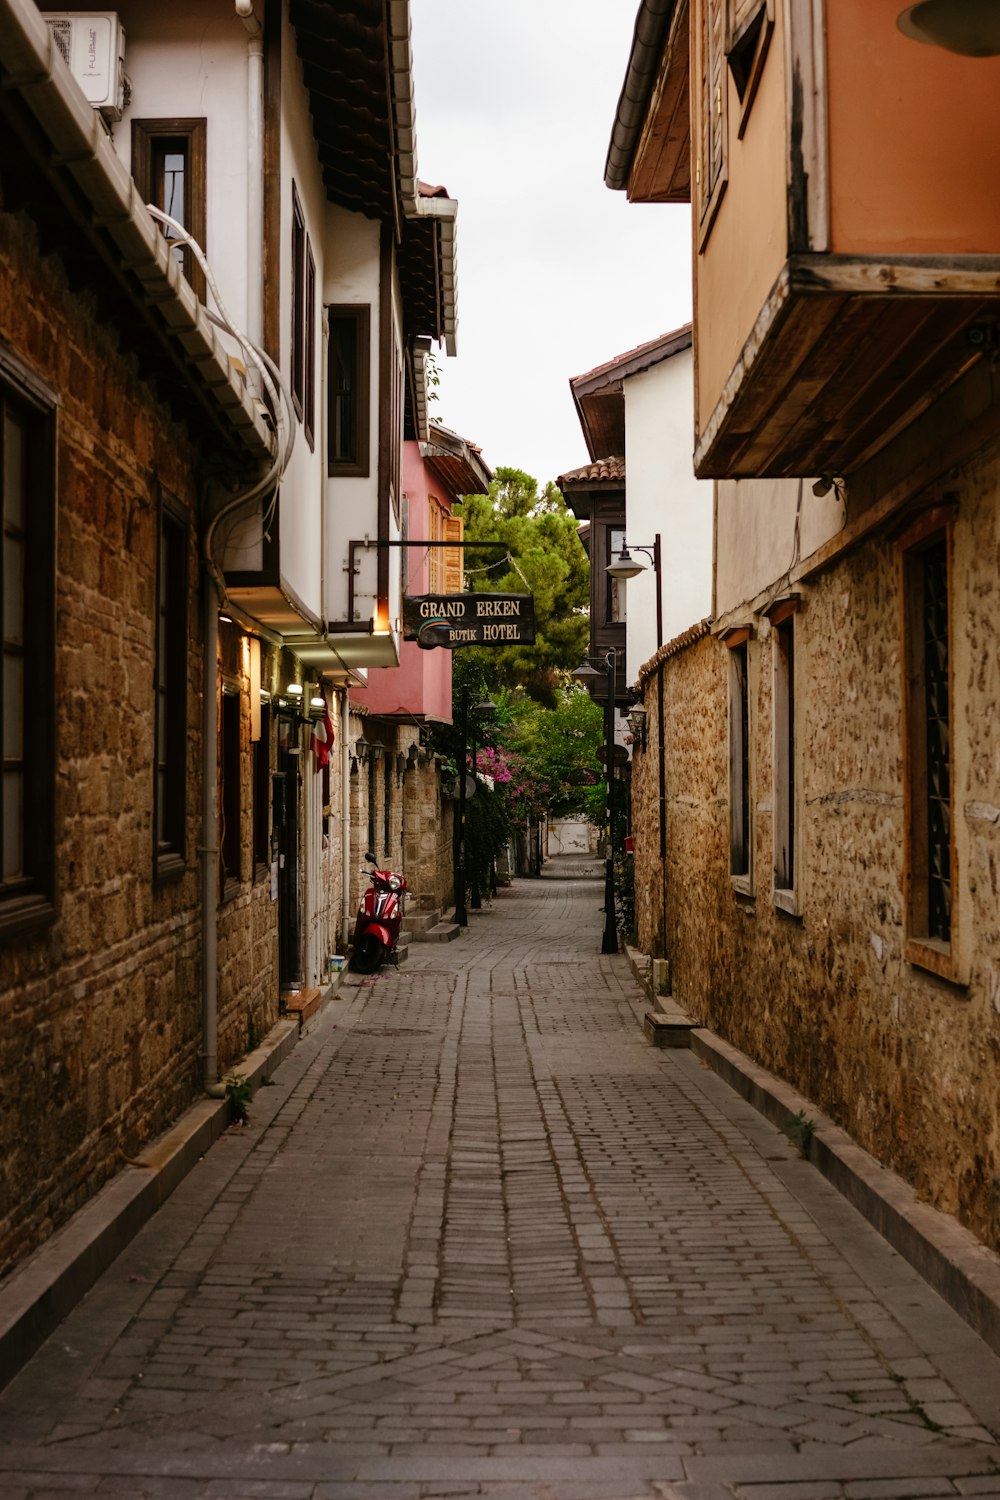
<point x="480" y="1239"/>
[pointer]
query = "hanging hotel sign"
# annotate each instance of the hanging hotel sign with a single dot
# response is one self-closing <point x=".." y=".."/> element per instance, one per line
<point x="452" y="620"/>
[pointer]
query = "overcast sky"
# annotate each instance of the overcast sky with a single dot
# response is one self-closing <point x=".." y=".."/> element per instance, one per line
<point x="515" y="101"/>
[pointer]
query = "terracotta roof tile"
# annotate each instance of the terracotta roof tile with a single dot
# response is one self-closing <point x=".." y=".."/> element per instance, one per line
<point x="639" y="358"/>
<point x="689" y="637"/>
<point x="604" y="470"/>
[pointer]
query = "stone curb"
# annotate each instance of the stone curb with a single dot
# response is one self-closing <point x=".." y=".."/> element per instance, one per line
<point x="963" y="1271"/>
<point x="51" y="1282"/>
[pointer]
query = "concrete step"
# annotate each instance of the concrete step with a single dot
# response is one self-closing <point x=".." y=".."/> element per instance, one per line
<point x="668" y="1026"/>
<point x="301" y="1004"/>
<point x="420" y="921"/>
<point x="443" y="932"/>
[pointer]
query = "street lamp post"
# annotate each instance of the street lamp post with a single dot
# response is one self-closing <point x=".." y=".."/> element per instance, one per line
<point x="625" y="566"/>
<point x="584" y="673"/>
<point x="461" y="915"/>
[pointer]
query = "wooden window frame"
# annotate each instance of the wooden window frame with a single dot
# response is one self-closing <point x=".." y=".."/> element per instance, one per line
<point x="933" y="528"/>
<point x="28" y="898"/>
<point x="452" y="574"/>
<point x="614" y="588"/>
<point x="150" y="135"/>
<point x="737" y="644"/>
<point x="309" y="353"/>
<point x="710" y="197"/>
<point x="298" y="301"/>
<point x="784" y="757"/>
<point x="358" y="466"/>
<point x="170" y="691"/>
<point x="262" y="796"/>
<point x="230" y="791"/>
<point x="747" y="44"/>
<point x="372" y="802"/>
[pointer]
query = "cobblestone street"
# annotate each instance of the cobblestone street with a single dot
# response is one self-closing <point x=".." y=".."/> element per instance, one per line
<point x="480" y="1239"/>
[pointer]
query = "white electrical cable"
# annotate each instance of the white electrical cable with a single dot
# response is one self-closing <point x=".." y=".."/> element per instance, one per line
<point x="279" y="400"/>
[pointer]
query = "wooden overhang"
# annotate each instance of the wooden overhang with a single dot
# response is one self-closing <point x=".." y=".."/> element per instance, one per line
<point x="458" y="463"/>
<point x="845" y="354"/>
<point x="355" y="65"/>
<point x="847" y="351"/>
<point x="595" y="493"/>
<point x="599" y="394"/>
<point x="649" y="154"/>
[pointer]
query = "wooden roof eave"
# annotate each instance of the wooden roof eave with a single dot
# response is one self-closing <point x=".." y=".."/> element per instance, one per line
<point x="661" y="162"/>
<point x="846" y="353"/>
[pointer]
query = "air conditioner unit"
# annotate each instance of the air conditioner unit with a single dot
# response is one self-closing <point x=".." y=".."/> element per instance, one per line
<point x="93" y="48"/>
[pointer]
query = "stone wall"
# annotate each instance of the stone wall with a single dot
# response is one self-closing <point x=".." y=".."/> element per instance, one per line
<point x="429" y="863"/>
<point x="100" y="1013"/>
<point x="904" y="1060"/>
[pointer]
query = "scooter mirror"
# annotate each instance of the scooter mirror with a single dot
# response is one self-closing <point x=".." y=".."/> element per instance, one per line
<point x="371" y="858"/>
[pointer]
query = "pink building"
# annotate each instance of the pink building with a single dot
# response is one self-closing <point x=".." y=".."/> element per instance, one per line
<point x="435" y="475"/>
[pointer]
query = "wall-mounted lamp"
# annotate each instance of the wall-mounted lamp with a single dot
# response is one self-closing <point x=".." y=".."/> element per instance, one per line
<point x="376" y="749"/>
<point x="316" y="701"/>
<point x="637" y="724"/>
<point x="625" y="566"/>
<point x="968" y="27"/>
<point x="361" y="748"/>
<point x="294" y="690"/>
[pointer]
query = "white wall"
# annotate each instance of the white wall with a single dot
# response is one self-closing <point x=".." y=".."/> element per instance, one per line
<point x="302" y="487"/>
<point x="351" y="275"/>
<point x="662" y="495"/>
<point x="757" y="540"/>
<point x="188" y="59"/>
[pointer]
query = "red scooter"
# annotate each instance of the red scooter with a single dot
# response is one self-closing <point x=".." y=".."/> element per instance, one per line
<point x="380" y="915"/>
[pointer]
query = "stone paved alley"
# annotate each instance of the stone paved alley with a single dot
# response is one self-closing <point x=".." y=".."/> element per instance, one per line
<point x="481" y="1239"/>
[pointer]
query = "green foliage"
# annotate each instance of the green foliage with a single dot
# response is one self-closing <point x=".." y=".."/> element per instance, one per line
<point x="624" y="883"/>
<point x="800" y="1131"/>
<point x="239" y="1092"/>
<point x="539" y="530"/>
<point x="487" y="830"/>
<point x="560" y="745"/>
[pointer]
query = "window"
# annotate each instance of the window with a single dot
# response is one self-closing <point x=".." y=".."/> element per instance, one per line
<point x="395" y="417"/>
<point x="435" y="566"/>
<point x="262" y="793"/>
<point x="739" y="759"/>
<point x="783" y="704"/>
<point x="372" y="810"/>
<point x="615" y="598"/>
<point x="170" y="688"/>
<point x="711" y="166"/>
<point x="168" y="165"/>
<point x="309" y="381"/>
<point x="749" y="25"/>
<point x="349" y="378"/>
<point x="930" y="858"/>
<point x="298" y="381"/>
<point x="27" y="693"/>
<point x="453" y="557"/>
<point x="231" y="841"/>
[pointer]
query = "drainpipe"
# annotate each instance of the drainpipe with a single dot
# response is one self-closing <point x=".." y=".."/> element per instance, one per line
<point x="210" y="840"/>
<point x="255" y="171"/>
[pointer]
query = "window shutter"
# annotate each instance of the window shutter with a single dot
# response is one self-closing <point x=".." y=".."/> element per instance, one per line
<point x="742" y="12"/>
<point x="715" y="66"/>
<point x="454" y="557"/>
